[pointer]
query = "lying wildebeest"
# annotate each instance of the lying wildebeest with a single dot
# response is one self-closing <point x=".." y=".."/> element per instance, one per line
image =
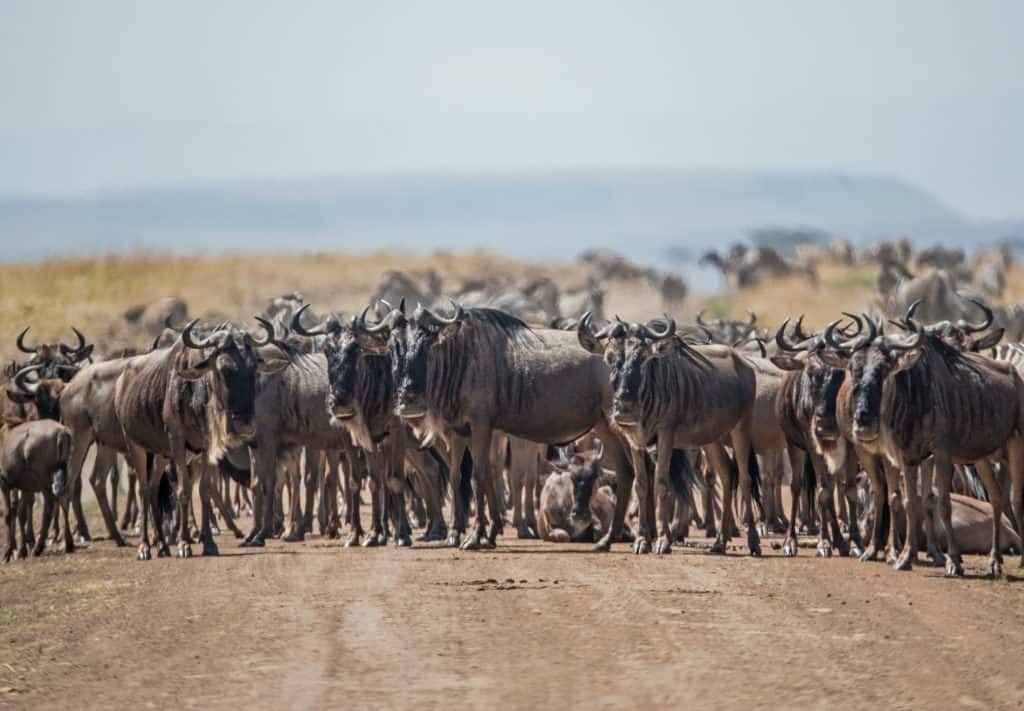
<point x="577" y="501"/>
<point x="678" y="395"/>
<point x="910" y="397"/>
<point x="480" y="370"/>
<point x="33" y="460"/>
<point x="190" y="403"/>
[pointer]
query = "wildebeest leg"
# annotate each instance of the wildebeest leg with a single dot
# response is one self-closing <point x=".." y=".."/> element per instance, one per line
<point x="943" y="482"/>
<point x="530" y="479"/>
<point x="870" y="463"/>
<point x="5" y="493"/>
<point x="457" y="451"/>
<point x="829" y="534"/>
<point x="718" y="458"/>
<point x="995" y="497"/>
<point x="911" y="505"/>
<point x="394" y="455"/>
<point x="744" y="455"/>
<point x="329" y="497"/>
<point x="187" y="475"/>
<point x="208" y="489"/>
<point x="480" y="448"/>
<point x="313" y="476"/>
<point x="49" y="504"/>
<point x="138" y="460"/>
<point x="130" y="498"/>
<point x="264" y="476"/>
<point x="616" y="458"/>
<point x="378" y="491"/>
<point x="711" y="513"/>
<point x="353" y="499"/>
<point x="927" y="471"/>
<point x="105" y="461"/>
<point x="296" y="521"/>
<point x="429" y="478"/>
<point x="646" y="523"/>
<point x="1015" y="449"/>
<point x="797" y="462"/>
<point x="665" y="493"/>
<point x="69" y="538"/>
<point x="81" y="525"/>
<point x="23" y="505"/>
<point x="220" y="502"/>
<point x="850" y="495"/>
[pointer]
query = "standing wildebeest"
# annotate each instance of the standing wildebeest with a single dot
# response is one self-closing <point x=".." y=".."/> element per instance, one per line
<point x="916" y="396"/>
<point x="361" y="400"/>
<point x="482" y="370"/>
<point x="189" y="403"/>
<point x="806" y="408"/>
<point x="33" y="459"/>
<point x="680" y="396"/>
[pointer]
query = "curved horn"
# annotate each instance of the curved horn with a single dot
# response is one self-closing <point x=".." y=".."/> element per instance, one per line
<point x="296" y="324"/>
<point x="700" y="317"/>
<point x="911" y="310"/>
<point x="867" y="338"/>
<point x="910" y="344"/>
<point x="855" y="319"/>
<point x="670" y="329"/>
<point x="381" y="325"/>
<point x="269" y="328"/>
<point x="68" y="350"/>
<point x="780" y="338"/>
<point x="969" y="327"/>
<point x="188" y="340"/>
<point x="440" y="320"/>
<point x="19" y="380"/>
<point x="753" y="318"/>
<point x="798" y="330"/>
<point x="21" y="343"/>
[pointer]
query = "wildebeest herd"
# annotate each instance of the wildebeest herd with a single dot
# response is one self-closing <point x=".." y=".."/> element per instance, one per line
<point x="898" y="436"/>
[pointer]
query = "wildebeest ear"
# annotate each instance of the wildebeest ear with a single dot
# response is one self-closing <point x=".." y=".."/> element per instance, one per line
<point x="907" y="359"/>
<point x="832" y="358"/>
<point x="199" y="369"/>
<point x="85" y="353"/>
<point x="447" y="332"/>
<point x="989" y="340"/>
<point x="272" y="365"/>
<point x="787" y="362"/>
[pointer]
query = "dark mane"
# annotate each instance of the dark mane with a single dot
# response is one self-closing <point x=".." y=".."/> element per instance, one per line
<point x="482" y="352"/>
<point x="670" y="386"/>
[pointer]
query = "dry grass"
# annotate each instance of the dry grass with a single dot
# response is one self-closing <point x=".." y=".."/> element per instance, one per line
<point x="94" y="293"/>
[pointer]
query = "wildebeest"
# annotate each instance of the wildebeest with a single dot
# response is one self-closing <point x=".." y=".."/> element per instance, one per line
<point x="361" y="400"/>
<point x="577" y="501"/>
<point x="909" y="397"/>
<point x="680" y="396"/>
<point x="189" y="403"/>
<point x="33" y="460"/>
<point x="480" y="370"/>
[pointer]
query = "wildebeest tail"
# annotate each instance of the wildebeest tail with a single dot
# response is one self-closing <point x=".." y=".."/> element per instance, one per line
<point x="682" y="477"/>
<point x="974" y="483"/>
<point x="242" y="476"/>
<point x="755" y="479"/>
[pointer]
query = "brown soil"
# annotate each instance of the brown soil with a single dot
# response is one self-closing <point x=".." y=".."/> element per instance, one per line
<point x="316" y="625"/>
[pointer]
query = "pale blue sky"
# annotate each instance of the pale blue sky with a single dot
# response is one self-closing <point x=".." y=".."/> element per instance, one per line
<point x="114" y="94"/>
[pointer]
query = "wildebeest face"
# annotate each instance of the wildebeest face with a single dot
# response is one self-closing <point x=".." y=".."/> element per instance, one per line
<point x="627" y="377"/>
<point x="824" y="382"/>
<point x="584" y="471"/>
<point x="56" y="360"/>
<point x="869" y="369"/>
<point x="343" y="356"/>
<point x="44" y="392"/>
<point x="422" y="337"/>
<point x="234" y="362"/>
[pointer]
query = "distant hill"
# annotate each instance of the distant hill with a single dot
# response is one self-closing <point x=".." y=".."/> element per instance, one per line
<point x="646" y="214"/>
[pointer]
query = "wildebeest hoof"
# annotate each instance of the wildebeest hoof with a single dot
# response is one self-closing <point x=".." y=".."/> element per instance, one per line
<point x="603" y="546"/>
<point x="69" y="547"/>
<point x="869" y="554"/>
<point x="824" y="549"/>
<point x="184" y="550"/>
<point x="995" y="568"/>
<point x="144" y="553"/>
<point x="372" y="541"/>
<point x="789" y="548"/>
<point x="215" y="530"/>
<point x="488" y="544"/>
<point x="352" y="542"/>
<point x="954" y="568"/>
<point x="641" y="546"/>
<point x="523" y="531"/>
<point x="663" y="546"/>
<point x="257" y="542"/>
<point x="762" y="529"/>
<point x="856" y="551"/>
<point x="210" y="548"/>
<point x="753" y="543"/>
<point x="7" y="556"/>
<point x="454" y="540"/>
<point x="718" y="547"/>
<point x="711" y="532"/>
<point x="904" y="562"/>
<point x="294" y="538"/>
<point x="471" y="544"/>
<point x="403" y="542"/>
<point x="79" y="538"/>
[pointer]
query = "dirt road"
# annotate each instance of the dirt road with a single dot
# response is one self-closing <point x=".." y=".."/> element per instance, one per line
<point x="316" y="625"/>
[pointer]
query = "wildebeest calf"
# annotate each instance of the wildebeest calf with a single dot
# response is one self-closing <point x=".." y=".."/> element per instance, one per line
<point x="576" y="503"/>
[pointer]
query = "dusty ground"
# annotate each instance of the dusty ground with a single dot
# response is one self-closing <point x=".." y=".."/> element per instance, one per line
<point x="316" y="625"/>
